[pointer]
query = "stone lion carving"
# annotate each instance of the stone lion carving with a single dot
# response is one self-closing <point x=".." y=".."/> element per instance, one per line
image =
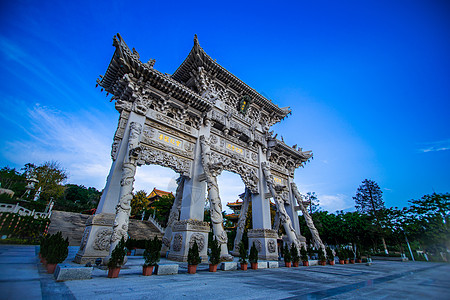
<point x="271" y="246"/>
<point x="177" y="242"/>
<point x="200" y="239"/>
<point x="102" y="240"/>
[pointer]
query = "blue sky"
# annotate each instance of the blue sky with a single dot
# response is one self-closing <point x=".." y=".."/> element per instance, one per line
<point x="368" y="83"/>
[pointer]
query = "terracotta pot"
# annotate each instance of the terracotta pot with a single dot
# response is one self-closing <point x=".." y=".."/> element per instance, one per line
<point x="51" y="268"/>
<point x="254" y="266"/>
<point x="331" y="262"/>
<point x="44" y="261"/>
<point x="305" y="263"/>
<point x="358" y="261"/>
<point x="212" y="268"/>
<point x="295" y="264"/>
<point x="352" y="261"/>
<point x="287" y="264"/>
<point x="244" y="267"/>
<point x="346" y="261"/>
<point x="341" y="261"/>
<point x="192" y="269"/>
<point x="147" y="270"/>
<point x="128" y="253"/>
<point x="113" y="272"/>
<point x="323" y="263"/>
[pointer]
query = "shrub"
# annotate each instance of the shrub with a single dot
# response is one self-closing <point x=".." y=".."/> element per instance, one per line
<point x="287" y="255"/>
<point x="303" y="254"/>
<point x="152" y="252"/>
<point x="57" y="248"/>
<point x="294" y="253"/>
<point x="193" y="255"/>
<point x="321" y="255"/>
<point x="243" y="255"/>
<point x="214" y="258"/>
<point x="118" y="255"/>
<point x="253" y="254"/>
<point x="330" y="255"/>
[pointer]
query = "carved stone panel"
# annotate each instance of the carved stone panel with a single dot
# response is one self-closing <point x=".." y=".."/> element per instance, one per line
<point x="102" y="239"/>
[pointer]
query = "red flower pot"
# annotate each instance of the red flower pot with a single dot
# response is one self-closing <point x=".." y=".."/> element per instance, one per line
<point x="323" y="263"/>
<point x="113" y="272"/>
<point x="51" y="268"/>
<point x="147" y="270"/>
<point x="331" y="262"/>
<point x="346" y="261"/>
<point x="192" y="269"/>
<point x="254" y="266"/>
<point x="295" y="264"/>
<point x="305" y="263"/>
<point x="341" y="261"/>
<point x="352" y="261"/>
<point x="358" y="261"/>
<point x="212" y="268"/>
<point x="287" y="264"/>
<point x="244" y="267"/>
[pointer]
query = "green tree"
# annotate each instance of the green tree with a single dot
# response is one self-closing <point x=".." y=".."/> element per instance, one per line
<point x="139" y="203"/>
<point x="51" y="177"/>
<point x="78" y="198"/>
<point x="11" y="179"/>
<point x="311" y="197"/>
<point x="162" y="208"/>
<point x="369" y="200"/>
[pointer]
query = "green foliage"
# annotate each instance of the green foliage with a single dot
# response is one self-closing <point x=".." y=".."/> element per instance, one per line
<point x="162" y="207"/>
<point x="330" y="255"/>
<point x="287" y="254"/>
<point x="314" y="202"/>
<point x="152" y="252"/>
<point x="303" y="254"/>
<point x="118" y="255"/>
<point x="136" y="244"/>
<point x="57" y="248"/>
<point x="311" y="251"/>
<point x="214" y="258"/>
<point x="342" y="254"/>
<point x="139" y="202"/>
<point x="23" y="227"/>
<point x="369" y="198"/>
<point x="294" y="253"/>
<point x="253" y="257"/>
<point x="78" y="198"/>
<point x="321" y="255"/>
<point x="193" y="255"/>
<point x="243" y="255"/>
<point x="13" y="180"/>
<point x="51" y="176"/>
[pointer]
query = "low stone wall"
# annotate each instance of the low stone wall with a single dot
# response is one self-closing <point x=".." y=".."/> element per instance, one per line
<point x="390" y="258"/>
<point x="72" y="226"/>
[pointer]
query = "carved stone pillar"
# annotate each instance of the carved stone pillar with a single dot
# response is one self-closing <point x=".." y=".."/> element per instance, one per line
<point x="309" y="222"/>
<point x="284" y="217"/>
<point x="215" y="203"/>
<point x="265" y="242"/>
<point x="174" y="215"/>
<point x="185" y="232"/>
<point x="241" y="222"/>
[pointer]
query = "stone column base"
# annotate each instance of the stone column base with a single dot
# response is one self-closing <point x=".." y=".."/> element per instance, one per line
<point x="265" y="241"/>
<point x="96" y="238"/>
<point x="184" y="233"/>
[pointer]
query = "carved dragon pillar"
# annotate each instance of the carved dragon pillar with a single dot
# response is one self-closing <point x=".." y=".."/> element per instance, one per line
<point x="174" y="215"/>
<point x="214" y="198"/>
<point x="241" y="222"/>
<point x="284" y="217"/>
<point x="309" y="222"/>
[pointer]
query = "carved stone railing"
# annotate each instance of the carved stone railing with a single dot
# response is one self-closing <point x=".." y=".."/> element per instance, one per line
<point x="156" y="224"/>
<point x="17" y="209"/>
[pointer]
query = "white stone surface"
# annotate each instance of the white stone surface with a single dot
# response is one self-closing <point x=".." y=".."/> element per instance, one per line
<point x="68" y="272"/>
<point x="166" y="269"/>
<point x="272" y="264"/>
<point x="228" y="266"/>
<point x="262" y="264"/>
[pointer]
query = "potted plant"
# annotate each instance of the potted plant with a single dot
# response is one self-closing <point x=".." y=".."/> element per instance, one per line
<point x="330" y="256"/>
<point x="151" y="255"/>
<point x="117" y="258"/>
<point x="243" y="255"/>
<point x="193" y="258"/>
<point x="287" y="257"/>
<point x="311" y="252"/>
<point x="304" y="256"/>
<point x="214" y="258"/>
<point x="43" y="249"/>
<point x="341" y="255"/>
<point x="294" y="255"/>
<point x="321" y="257"/>
<point x="253" y="258"/>
<point x="57" y="251"/>
<point x="358" y="257"/>
<point x="346" y="255"/>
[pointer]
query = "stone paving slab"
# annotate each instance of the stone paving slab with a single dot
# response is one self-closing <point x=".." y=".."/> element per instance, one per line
<point x="382" y="280"/>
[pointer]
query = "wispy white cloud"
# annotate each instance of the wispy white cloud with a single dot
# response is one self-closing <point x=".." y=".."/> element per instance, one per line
<point x="436" y="146"/>
<point x="333" y="203"/>
<point x="80" y="142"/>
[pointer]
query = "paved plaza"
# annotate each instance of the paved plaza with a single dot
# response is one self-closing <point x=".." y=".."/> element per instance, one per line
<point x="23" y="277"/>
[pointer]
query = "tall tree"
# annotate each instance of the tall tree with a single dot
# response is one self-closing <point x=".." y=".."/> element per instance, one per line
<point x="139" y="203"/>
<point x="311" y="197"/>
<point x="369" y="200"/>
<point x="51" y="176"/>
<point x="12" y="180"/>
